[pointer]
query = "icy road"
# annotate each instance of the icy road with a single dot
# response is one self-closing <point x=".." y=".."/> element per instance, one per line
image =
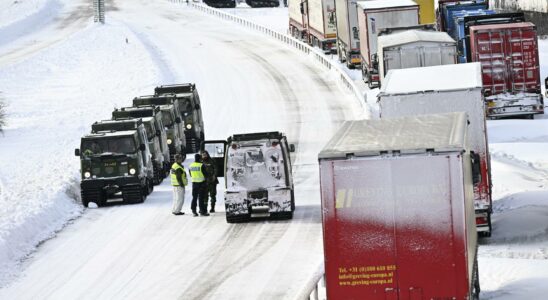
<point x="247" y="83"/>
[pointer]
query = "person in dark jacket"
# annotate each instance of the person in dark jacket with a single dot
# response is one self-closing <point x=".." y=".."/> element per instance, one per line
<point x="211" y="179"/>
<point x="198" y="175"/>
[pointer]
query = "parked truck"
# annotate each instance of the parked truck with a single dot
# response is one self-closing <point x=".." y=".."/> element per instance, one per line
<point x="314" y="22"/>
<point x="427" y="11"/>
<point x="508" y="53"/>
<point x="348" y="43"/>
<point x="443" y="89"/>
<point x="114" y="164"/>
<point x="372" y="17"/>
<point x="401" y="48"/>
<point x="153" y="138"/>
<point x="459" y="33"/>
<point x="258" y="177"/>
<point x="191" y="109"/>
<point x="398" y="210"/>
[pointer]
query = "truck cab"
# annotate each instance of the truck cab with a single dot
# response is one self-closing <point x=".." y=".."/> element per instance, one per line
<point x="156" y="114"/>
<point x="190" y="107"/>
<point x="113" y="163"/>
<point x="258" y="177"/>
<point x="148" y="130"/>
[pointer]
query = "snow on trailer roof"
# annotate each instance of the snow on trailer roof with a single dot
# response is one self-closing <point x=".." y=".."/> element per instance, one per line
<point x="110" y="133"/>
<point x="434" y="78"/>
<point x="413" y="35"/>
<point x="377" y="4"/>
<point x="416" y="134"/>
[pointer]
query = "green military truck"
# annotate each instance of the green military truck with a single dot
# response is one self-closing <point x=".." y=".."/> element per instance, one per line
<point x="145" y="112"/>
<point x="172" y="119"/>
<point x="190" y="107"/>
<point x="151" y="134"/>
<point x="114" y="163"/>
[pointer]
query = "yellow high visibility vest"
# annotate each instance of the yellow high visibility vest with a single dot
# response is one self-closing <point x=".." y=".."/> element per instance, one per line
<point x="173" y="171"/>
<point x="196" y="172"/>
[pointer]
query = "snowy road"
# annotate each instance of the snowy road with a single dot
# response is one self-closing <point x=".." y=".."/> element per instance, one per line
<point x="247" y="83"/>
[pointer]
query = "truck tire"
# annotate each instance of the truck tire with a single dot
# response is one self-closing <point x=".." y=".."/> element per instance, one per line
<point x="283" y="215"/>
<point x="237" y="218"/>
<point x="133" y="194"/>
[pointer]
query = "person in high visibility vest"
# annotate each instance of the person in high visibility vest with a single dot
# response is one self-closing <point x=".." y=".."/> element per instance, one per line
<point x="198" y="176"/>
<point x="178" y="181"/>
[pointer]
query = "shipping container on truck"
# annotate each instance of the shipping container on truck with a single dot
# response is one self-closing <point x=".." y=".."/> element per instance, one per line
<point x="373" y="16"/>
<point x="414" y="48"/>
<point x="509" y="57"/>
<point x="443" y="89"/>
<point x="446" y="8"/>
<point x="398" y="211"/>
<point x="348" y="43"/>
<point x="459" y="33"/>
<point x="427" y="11"/>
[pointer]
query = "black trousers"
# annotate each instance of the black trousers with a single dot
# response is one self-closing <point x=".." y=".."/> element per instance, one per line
<point x="199" y="194"/>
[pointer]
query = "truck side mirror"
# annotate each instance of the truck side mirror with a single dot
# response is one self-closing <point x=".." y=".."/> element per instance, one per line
<point x="476" y="167"/>
<point x="77" y="152"/>
<point x="177" y="120"/>
<point x="291" y="147"/>
<point x="142" y="147"/>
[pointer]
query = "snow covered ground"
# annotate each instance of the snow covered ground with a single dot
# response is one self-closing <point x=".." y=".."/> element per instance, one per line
<point x="59" y="76"/>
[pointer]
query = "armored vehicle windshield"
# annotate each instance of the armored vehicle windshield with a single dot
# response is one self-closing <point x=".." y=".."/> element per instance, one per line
<point x="125" y="145"/>
<point x="255" y="164"/>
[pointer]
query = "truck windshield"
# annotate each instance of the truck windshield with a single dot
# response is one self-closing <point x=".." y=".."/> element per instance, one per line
<point x="166" y="118"/>
<point x="185" y="106"/>
<point x="124" y="145"/>
<point x="149" y="129"/>
<point x="255" y="166"/>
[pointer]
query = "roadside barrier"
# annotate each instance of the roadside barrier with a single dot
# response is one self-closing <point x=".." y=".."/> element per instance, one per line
<point x="316" y="54"/>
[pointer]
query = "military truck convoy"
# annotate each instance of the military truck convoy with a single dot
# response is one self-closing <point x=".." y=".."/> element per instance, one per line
<point x="126" y="156"/>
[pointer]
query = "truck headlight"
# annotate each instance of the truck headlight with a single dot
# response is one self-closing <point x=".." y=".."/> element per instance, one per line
<point x="87" y="174"/>
<point x="132" y="171"/>
<point x="169" y="141"/>
<point x="189" y="126"/>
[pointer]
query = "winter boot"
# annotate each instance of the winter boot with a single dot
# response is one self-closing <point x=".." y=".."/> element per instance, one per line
<point x="212" y="210"/>
<point x="194" y="213"/>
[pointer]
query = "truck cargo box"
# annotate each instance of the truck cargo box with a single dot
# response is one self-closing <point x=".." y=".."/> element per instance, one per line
<point x="509" y="57"/>
<point x="298" y="25"/>
<point x="444" y="89"/>
<point x="446" y="8"/>
<point x="427" y="11"/>
<point x="397" y="210"/>
<point x="414" y="48"/>
<point x="459" y="33"/>
<point x="314" y="21"/>
<point x="348" y="43"/>
<point x="376" y="15"/>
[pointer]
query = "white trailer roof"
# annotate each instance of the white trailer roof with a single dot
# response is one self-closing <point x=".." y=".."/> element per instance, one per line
<point x="415" y="134"/>
<point x="414" y="35"/>
<point x="376" y="4"/>
<point x="435" y="78"/>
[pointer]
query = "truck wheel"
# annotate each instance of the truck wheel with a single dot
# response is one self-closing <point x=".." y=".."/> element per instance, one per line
<point x="133" y="194"/>
<point x="283" y="215"/>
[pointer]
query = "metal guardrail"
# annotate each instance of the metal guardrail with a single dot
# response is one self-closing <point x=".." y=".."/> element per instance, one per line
<point x="316" y="54"/>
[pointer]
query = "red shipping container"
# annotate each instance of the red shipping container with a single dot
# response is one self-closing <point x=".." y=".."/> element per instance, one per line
<point x="398" y="219"/>
<point x="509" y="57"/>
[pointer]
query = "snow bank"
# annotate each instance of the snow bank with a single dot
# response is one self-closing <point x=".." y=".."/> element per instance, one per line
<point x="39" y="171"/>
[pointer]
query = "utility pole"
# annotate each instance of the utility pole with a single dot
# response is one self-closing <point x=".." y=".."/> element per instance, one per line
<point x="99" y="11"/>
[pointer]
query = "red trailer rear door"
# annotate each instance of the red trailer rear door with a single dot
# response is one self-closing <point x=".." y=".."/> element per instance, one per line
<point x="508" y="54"/>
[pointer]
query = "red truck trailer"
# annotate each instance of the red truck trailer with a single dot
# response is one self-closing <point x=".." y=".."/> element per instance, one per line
<point x="509" y="57"/>
<point x="398" y="210"/>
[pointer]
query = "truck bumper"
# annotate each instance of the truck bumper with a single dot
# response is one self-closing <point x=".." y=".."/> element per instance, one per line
<point x="110" y="185"/>
<point x="507" y="105"/>
<point x="258" y="203"/>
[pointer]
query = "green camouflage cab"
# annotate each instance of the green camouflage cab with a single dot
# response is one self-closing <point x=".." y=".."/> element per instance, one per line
<point x="153" y="141"/>
<point x="190" y="107"/>
<point x="114" y="163"/>
<point x="144" y="112"/>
